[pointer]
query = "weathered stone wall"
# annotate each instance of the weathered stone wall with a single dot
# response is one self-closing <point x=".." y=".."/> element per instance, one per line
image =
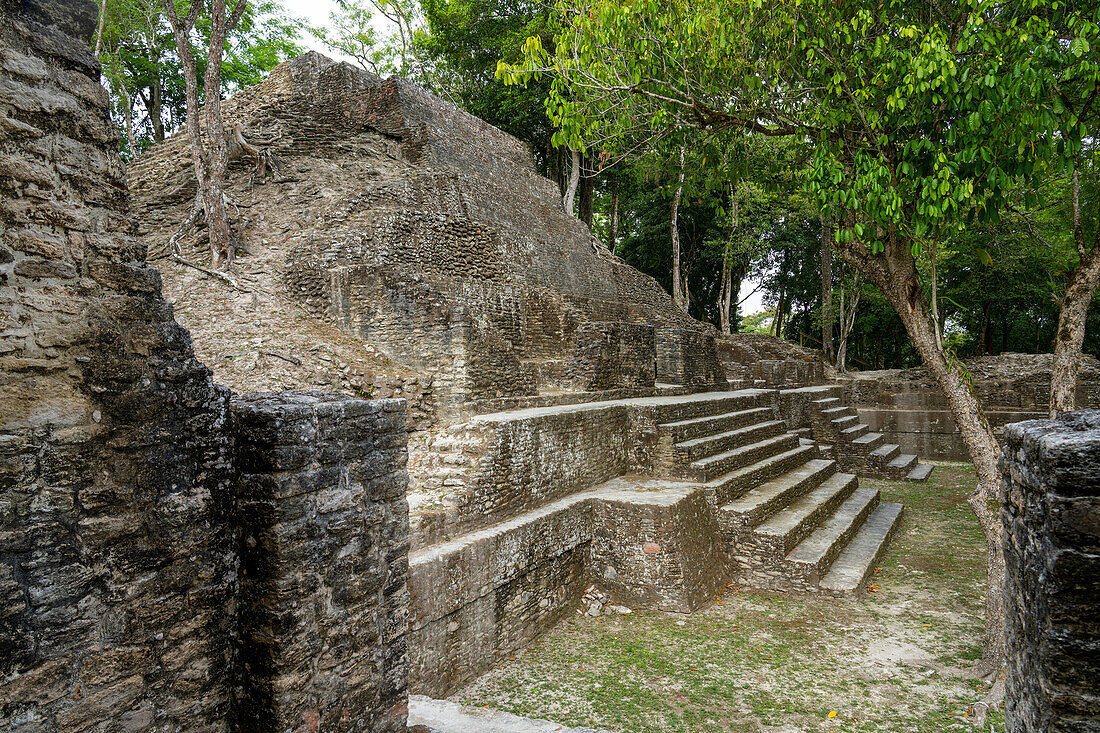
<point x="324" y="558"/>
<point x="1051" y="516"/>
<point x="116" y="558"/>
<point x="908" y="407"/>
<point x="120" y="540"/>
<point x="428" y="233"/>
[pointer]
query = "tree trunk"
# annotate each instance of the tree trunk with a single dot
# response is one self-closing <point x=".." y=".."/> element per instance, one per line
<point x="574" y="179"/>
<point x="847" y="320"/>
<point x="895" y="274"/>
<point x="1073" y="311"/>
<point x="156" y="111"/>
<point x="613" y="234"/>
<point x="827" y="291"/>
<point x="587" y="193"/>
<point x="725" y="290"/>
<point x="211" y="161"/>
<point x="99" y="27"/>
<point x="987" y="328"/>
<point x="678" y="296"/>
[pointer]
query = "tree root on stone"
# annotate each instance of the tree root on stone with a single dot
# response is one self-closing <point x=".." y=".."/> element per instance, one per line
<point x="994" y="699"/>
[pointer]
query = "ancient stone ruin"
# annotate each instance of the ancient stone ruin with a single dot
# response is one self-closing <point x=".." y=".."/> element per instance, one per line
<point x="1051" y="516"/>
<point x="176" y="556"/>
<point x="163" y="546"/>
<point x="580" y="429"/>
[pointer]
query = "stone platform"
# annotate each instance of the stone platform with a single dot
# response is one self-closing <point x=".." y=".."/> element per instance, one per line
<point x="658" y="501"/>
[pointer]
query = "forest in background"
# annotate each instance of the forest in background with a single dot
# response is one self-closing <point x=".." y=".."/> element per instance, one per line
<point x="740" y="214"/>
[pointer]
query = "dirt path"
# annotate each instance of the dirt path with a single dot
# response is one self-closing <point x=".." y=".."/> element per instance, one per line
<point x="767" y="661"/>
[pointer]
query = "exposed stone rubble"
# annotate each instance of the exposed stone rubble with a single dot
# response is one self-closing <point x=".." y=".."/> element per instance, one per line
<point x="1051" y="515"/>
<point x="595" y="604"/>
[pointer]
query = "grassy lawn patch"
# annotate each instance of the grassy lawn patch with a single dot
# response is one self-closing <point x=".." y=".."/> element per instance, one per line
<point x="769" y="661"/>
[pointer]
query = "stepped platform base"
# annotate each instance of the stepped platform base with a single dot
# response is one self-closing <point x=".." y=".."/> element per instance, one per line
<point x="821" y="411"/>
<point x="658" y="501"/>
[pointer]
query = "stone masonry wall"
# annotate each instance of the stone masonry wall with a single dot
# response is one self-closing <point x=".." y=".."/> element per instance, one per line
<point x="324" y="560"/>
<point x="120" y="540"/>
<point x="116" y="560"/>
<point x="1051" y="516"/>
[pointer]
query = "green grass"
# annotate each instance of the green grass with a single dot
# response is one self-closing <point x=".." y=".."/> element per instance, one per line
<point x="762" y="661"/>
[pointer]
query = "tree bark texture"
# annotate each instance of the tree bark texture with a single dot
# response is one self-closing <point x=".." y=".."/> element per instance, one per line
<point x="574" y="178"/>
<point x="827" y="291"/>
<point x="679" y="297"/>
<point x="1073" y="310"/>
<point x="894" y="273"/>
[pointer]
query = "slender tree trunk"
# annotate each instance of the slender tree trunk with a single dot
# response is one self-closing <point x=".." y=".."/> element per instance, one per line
<point x="936" y="317"/>
<point x="211" y="160"/>
<point x="1070" y="336"/>
<point x="574" y="179"/>
<point x="827" y="291"/>
<point x="678" y="295"/>
<point x="613" y="234"/>
<point x="847" y="320"/>
<point x="99" y="27"/>
<point x="725" y="290"/>
<point x="987" y="328"/>
<point x="587" y="192"/>
<point x="156" y="110"/>
<point x="1073" y="311"/>
<point x="895" y="274"/>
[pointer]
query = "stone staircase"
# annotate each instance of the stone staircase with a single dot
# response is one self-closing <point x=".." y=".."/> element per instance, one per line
<point x="819" y="412"/>
<point x="791" y="519"/>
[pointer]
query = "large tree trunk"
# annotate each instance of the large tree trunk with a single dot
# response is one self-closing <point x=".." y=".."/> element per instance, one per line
<point x="1073" y="311"/>
<point x="827" y="291"/>
<point x="895" y="274"/>
<point x="574" y="179"/>
<point x="678" y="295"/>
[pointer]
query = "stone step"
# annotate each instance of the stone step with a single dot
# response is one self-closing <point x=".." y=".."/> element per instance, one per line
<point x="885" y="453"/>
<point x="844" y="422"/>
<point x="868" y="441"/>
<point x="855" y="431"/>
<point x="857" y="562"/>
<point x="791" y="524"/>
<point x="706" y="469"/>
<point x="695" y="427"/>
<point x="920" y="473"/>
<point x="760" y="502"/>
<point x="901" y="465"/>
<point x="826" y="403"/>
<point x="833" y="412"/>
<point x="709" y="445"/>
<point x="729" y="486"/>
<point x="811" y="557"/>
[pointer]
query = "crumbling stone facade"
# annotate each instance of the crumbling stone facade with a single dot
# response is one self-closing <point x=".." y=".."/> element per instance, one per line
<point x="1051" y="516"/>
<point x="426" y="232"/>
<point x="145" y="524"/>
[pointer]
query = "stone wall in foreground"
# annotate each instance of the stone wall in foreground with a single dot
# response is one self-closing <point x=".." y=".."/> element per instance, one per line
<point x="1051" y="516"/>
<point x="151" y="536"/>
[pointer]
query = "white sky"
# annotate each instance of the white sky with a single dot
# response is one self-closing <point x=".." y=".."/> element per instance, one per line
<point x="316" y="13"/>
